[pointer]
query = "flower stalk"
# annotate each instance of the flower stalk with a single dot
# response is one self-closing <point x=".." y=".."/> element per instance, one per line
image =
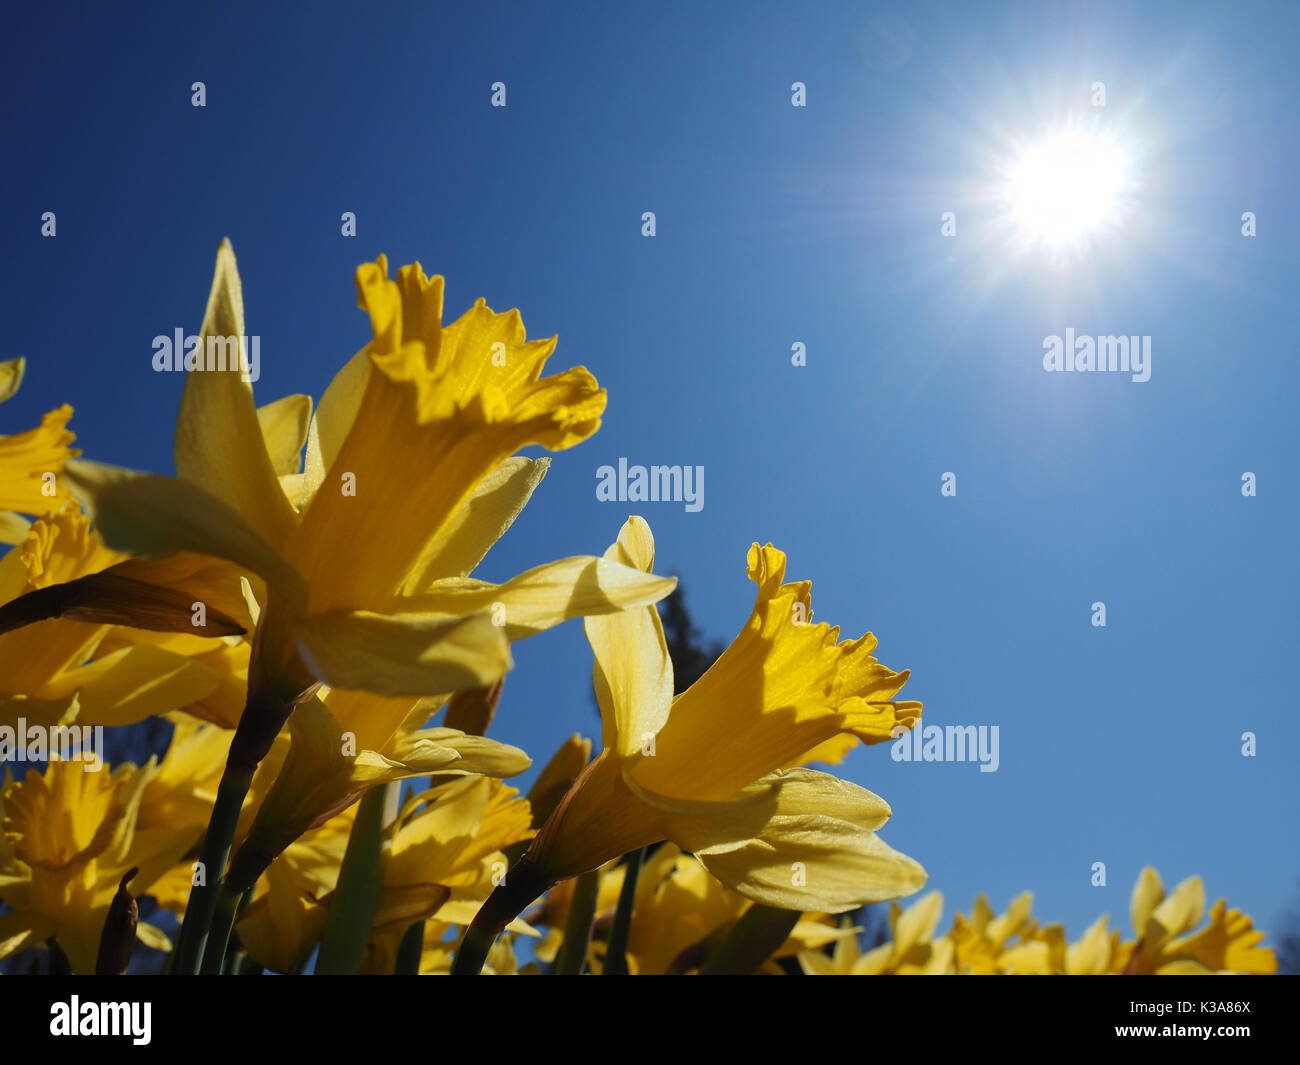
<point x="572" y="959"/>
<point x="265" y="713"/>
<point x="616" y="950"/>
<point x="524" y="883"/>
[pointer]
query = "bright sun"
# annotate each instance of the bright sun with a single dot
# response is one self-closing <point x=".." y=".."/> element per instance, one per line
<point x="1065" y="186"/>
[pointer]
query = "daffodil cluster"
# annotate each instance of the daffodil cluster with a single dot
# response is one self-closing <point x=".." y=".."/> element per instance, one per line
<point x="1167" y="940"/>
<point x="299" y="604"/>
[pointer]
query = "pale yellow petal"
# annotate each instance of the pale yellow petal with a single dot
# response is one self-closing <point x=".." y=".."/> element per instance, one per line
<point x="29" y="459"/>
<point x="633" y="673"/>
<point x="219" y="445"/>
<point x="149" y="515"/>
<point x="1092" y="954"/>
<point x="154" y="938"/>
<point x="1147" y="894"/>
<point x="338" y="408"/>
<point x="13" y="527"/>
<point x="135" y="683"/>
<point x="477" y="754"/>
<point x="543" y="597"/>
<point x="284" y="430"/>
<point x="403" y="654"/>
<point x="917" y="923"/>
<point x="1183" y="909"/>
<point x="11" y="377"/>
<point x="478" y="523"/>
<point x="819" y="851"/>
<point x="18" y="931"/>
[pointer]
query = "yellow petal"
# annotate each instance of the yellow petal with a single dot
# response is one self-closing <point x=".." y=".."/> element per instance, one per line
<point x="219" y="446"/>
<point x="1092" y="954"/>
<point x="284" y="431"/>
<point x="11" y="377"/>
<point x="403" y="654"/>
<point x="819" y="851"/>
<point x="599" y="820"/>
<point x="13" y="528"/>
<point x="633" y="673"/>
<point x="1000" y="929"/>
<point x="815" y="963"/>
<point x="313" y="784"/>
<point x="1183" y="909"/>
<point x="133" y="684"/>
<point x="26" y="458"/>
<point x="338" y="409"/>
<point x="64" y="817"/>
<point x="18" y="931"/>
<point x="558" y="775"/>
<point x="916" y="924"/>
<point x="782" y="689"/>
<point x="149" y="515"/>
<point x="543" y="597"/>
<point x="1230" y="942"/>
<point x="438" y="414"/>
<point x="1147" y="893"/>
<point x="478" y="523"/>
<point x="154" y="938"/>
<point x="279" y="928"/>
<point x="44" y="712"/>
<point x="476" y="754"/>
<point x="831" y="752"/>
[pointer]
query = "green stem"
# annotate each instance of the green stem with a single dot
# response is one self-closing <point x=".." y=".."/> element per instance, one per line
<point x="524" y="883"/>
<point x="265" y="712"/>
<point x="410" y="951"/>
<point x="616" y="950"/>
<point x="229" y="902"/>
<point x="202" y="905"/>
<point x="572" y="958"/>
<point x="59" y="965"/>
<point x="752" y="940"/>
<point x="361" y="880"/>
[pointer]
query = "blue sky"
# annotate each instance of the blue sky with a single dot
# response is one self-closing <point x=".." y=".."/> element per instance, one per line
<point x="775" y="224"/>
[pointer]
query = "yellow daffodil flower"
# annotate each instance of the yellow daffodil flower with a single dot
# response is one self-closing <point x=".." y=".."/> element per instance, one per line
<point x="341" y="746"/>
<point x="27" y="461"/>
<point x="1167" y="944"/>
<point x="1016" y="944"/>
<point x="59" y="670"/>
<point x="679" y="915"/>
<point x="913" y="951"/>
<point x="980" y="938"/>
<point x="67" y="837"/>
<point x="365" y="554"/>
<point x="705" y="769"/>
<point x="680" y="911"/>
<point x="364" y="557"/>
<point x="446" y="853"/>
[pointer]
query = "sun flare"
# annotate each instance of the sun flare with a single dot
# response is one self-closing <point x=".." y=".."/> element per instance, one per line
<point x="1066" y="186"/>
